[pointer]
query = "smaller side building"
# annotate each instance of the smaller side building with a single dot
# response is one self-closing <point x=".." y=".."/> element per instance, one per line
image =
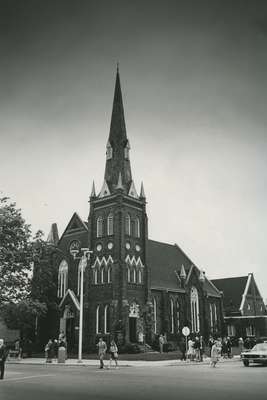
<point x="245" y="313"/>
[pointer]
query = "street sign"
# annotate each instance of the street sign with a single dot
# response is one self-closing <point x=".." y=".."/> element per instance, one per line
<point x="186" y="331"/>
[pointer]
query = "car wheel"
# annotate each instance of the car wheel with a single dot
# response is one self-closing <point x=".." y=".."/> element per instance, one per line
<point x="246" y="363"/>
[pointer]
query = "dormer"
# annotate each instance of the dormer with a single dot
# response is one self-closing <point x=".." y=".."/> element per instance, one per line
<point x="109" y="151"/>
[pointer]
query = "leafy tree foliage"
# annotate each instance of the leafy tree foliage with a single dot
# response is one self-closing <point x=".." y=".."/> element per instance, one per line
<point x="16" y="253"/>
<point x="23" y="315"/>
<point x="28" y="276"/>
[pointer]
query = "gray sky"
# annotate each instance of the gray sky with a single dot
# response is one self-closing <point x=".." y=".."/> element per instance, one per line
<point x="193" y="77"/>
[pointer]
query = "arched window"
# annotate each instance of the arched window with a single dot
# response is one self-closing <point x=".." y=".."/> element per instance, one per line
<point x="97" y="320"/>
<point x="211" y="318"/>
<point x="99" y="227"/>
<point x="134" y="274"/>
<point x="62" y="278"/>
<point x="95" y="276"/>
<point x="128" y="274"/>
<point x="172" y="316"/>
<point x="106" y="319"/>
<point x="102" y="275"/>
<point x="137" y="227"/>
<point x="128" y="224"/>
<point x="178" y="315"/>
<point x="194" y="309"/>
<point x="155" y="314"/>
<point x="139" y="276"/>
<point x="109" y="274"/>
<point x="110" y="224"/>
<point x="215" y="313"/>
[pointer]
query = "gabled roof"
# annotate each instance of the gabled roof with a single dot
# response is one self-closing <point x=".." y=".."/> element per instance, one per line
<point x="233" y="289"/>
<point x="70" y="295"/>
<point x="75" y="224"/>
<point x="164" y="259"/>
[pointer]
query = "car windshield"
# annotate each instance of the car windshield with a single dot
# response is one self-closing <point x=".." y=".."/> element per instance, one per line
<point x="260" y="347"/>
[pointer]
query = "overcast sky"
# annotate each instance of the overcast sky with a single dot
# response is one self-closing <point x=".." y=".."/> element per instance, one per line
<point x="194" y="79"/>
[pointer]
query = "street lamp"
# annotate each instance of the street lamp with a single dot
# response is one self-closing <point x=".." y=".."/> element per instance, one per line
<point x="82" y="265"/>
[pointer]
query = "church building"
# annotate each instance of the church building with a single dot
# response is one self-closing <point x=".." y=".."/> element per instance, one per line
<point x="135" y="288"/>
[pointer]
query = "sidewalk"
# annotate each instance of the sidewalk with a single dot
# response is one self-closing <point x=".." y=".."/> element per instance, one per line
<point x="122" y="363"/>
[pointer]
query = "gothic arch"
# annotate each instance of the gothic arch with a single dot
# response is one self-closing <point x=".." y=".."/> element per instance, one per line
<point x="194" y="302"/>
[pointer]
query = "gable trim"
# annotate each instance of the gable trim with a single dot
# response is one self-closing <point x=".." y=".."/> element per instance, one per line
<point x="74" y="299"/>
<point x="244" y="295"/>
<point x="75" y="230"/>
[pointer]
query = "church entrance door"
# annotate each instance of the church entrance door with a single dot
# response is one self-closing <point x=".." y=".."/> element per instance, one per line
<point x="132" y="330"/>
<point x="70" y="333"/>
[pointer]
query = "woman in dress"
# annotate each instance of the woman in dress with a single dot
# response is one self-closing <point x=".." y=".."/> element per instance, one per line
<point x="113" y="353"/>
<point x="191" y="350"/>
<point x="214" y="354"/>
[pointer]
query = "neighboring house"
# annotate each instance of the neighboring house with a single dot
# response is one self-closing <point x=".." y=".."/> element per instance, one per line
<point x="244" y="309"/>
<point x="133" y="285"/>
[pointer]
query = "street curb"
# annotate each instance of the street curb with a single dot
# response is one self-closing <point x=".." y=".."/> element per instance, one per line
<point x="165" y="363"/>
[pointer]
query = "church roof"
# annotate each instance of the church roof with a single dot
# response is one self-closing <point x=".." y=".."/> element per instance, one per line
<point x="233" y="289"/>
<point x="165" y="261"/>
<point x="118" y="163"/>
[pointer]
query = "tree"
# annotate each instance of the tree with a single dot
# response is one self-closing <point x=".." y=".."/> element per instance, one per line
<point x="16" y="253"/>
<point x="23" y="315"/>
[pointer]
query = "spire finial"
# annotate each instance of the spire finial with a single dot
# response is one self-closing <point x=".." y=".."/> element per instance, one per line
<point x="119" y="184"/>
<point x="93" y="190"/>
<point x="142" y="191"/>
<point x="118" y="67"/>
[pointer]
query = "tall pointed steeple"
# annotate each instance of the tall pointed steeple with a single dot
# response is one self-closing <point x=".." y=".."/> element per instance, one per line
<point x="117" y="160"/>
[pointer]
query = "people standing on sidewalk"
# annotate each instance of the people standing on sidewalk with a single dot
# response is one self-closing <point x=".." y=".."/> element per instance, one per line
<point x="191" y="350"/>
<point x="49" y="351"/>
<point x="224" y="348"/>
<point x="240" y="345"/>
<point x="197" y="348"/>
<point x="3" y="356"/>
<point x="229" y="347"/>
<point x="113" y="353"/>
<point x="182" y="347"/>
<point x="210" y="343"/>
<point x="214" y="356"/>
<point x="202" y="347"/>
<point x="161" y="343"/>
<point x="18" y="349"/>
<point x="102" y="348"/>
<point x="55" y="349"/>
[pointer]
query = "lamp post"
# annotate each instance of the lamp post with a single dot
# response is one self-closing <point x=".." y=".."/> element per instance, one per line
<point x="82" y="265"/>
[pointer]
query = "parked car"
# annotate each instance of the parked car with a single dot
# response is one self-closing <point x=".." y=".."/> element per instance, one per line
<point x="258" y="354"/>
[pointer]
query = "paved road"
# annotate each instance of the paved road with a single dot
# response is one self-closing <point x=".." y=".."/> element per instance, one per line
<point x="229" y="381"/>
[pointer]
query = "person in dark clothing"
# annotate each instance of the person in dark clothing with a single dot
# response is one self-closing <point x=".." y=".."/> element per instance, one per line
<point x="210" y="343"/>
<point x="224" y="351"/>
<point x="197" y="348"/>
<point x="55" y="348"/>
<point x="49" y="351"/>
<point x="182" y="347"/>
<point x="229" y="347"/>
<point x="3" y="356"/>
<point x="202" y="347"/>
